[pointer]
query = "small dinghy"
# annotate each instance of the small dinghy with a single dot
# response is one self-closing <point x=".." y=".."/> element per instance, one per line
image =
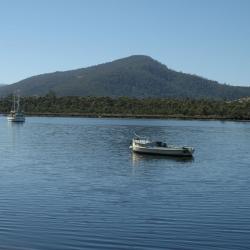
<point x="146" y="146"/>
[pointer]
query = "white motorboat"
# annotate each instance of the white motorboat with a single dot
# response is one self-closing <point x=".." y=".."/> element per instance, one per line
<point x="146" y="146"/>
<point x="16" y="115"/>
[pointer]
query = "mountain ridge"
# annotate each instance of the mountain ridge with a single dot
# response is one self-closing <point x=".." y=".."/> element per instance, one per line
<point x="138" y="76"/>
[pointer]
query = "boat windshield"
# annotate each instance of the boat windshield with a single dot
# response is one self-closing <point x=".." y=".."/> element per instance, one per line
<point x="141" y="139"/>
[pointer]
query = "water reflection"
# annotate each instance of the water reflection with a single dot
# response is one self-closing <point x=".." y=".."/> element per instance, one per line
<point x="15" y="124"/>
<point x="14" y="131"/>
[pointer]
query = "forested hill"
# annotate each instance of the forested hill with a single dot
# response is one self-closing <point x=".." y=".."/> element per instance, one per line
<point x="134" y="76"/>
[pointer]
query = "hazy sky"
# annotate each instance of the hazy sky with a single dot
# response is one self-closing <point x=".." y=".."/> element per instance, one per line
<point x="210" y="38"/>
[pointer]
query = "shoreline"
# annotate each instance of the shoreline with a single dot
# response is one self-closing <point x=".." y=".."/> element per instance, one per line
<point x="137" y="116"/>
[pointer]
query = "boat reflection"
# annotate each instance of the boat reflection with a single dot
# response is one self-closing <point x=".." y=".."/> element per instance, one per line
<point x="139" y="158"/>
<point x="15" y="124"/>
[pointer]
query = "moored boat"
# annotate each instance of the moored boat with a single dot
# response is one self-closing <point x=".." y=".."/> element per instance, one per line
<point x="146" y="146"/>
<point x="16" y="115"/>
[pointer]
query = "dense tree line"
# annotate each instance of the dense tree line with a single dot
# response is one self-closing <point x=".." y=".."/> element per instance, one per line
<point x="124" y="106"/>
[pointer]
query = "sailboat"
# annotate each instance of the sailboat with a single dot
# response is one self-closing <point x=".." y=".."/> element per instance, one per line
<point x="16" y="115"/>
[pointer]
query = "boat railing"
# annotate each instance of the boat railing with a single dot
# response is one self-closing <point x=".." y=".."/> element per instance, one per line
<point x="139" y="137"/>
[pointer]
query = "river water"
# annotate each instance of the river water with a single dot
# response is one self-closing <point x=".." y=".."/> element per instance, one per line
<point x="73" y="183"/>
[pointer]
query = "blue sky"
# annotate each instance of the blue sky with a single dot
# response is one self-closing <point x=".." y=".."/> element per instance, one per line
<point x="210" y="38"/>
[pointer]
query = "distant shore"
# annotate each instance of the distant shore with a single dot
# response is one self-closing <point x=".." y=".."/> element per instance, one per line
<point x="124" y="107"/>
<point x="136" y="116"/>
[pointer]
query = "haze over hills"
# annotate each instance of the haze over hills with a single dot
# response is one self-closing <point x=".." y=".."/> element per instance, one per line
<point x="135" y="76"/>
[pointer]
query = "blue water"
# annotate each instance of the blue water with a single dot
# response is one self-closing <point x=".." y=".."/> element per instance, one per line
<point x="72" y="183"/>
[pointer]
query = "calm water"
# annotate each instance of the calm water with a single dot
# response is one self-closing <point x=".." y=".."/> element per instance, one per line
<point x="72" y="183"/>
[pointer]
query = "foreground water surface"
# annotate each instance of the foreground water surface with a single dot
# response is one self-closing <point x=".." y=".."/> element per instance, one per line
<point x="72" y="183"/>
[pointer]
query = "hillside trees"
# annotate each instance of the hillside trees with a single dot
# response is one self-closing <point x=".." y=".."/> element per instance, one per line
<point x="125" y="106"/>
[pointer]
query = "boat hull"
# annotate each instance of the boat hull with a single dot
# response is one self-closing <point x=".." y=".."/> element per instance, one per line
<point x="164" y="151"/>
<point x="15" y="119"/>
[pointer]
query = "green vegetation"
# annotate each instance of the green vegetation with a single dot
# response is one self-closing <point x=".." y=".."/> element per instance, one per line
<point x="135" y="77"/>
<point x="124" y="106"/>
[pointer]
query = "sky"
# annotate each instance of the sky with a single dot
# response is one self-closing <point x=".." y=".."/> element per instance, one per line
<point x="209" y="38"/>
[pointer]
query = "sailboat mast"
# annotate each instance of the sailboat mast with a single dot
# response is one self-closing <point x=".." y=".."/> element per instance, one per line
<point x="14" y="103"/>
<point x="18" y="101"/>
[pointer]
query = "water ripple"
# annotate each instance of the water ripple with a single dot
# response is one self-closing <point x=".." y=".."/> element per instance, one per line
<point x="72" y="183"/>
